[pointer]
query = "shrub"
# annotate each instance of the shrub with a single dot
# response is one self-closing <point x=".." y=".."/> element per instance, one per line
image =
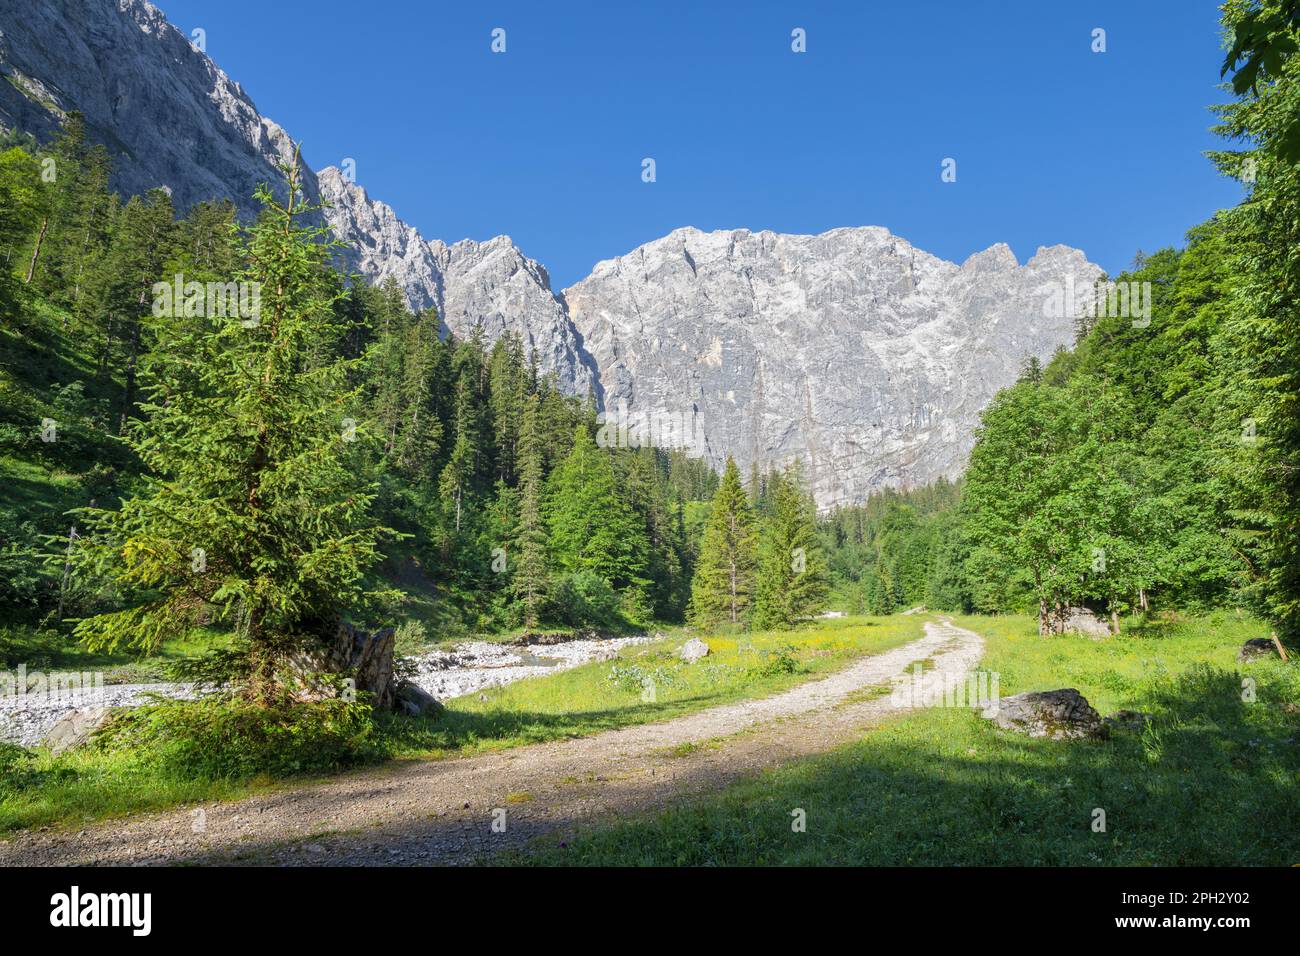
<point x="780" y="661"/>
<point x="583" y="599"/>
<point x="214" y="738"/>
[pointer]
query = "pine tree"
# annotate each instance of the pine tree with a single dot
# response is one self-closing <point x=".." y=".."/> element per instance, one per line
<point x="592" y="529"/>
<point x="142" y="245"/>
<point x="420" y="431"/>
<point x="255" y="507"/>
<point x="508" y="385"/>
<point x="530" y="573"/>
<point x="791" y="578"/>
<point x="724" y="573"/>
<point x="460" y="476"/>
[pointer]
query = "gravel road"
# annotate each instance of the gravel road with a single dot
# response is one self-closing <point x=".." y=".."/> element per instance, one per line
<point x="444" y="811"/>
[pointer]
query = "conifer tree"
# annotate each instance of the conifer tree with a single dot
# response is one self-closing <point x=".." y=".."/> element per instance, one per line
<point x="791" y="577"/>
<point x="592" y="529"/>
<point x="255" y="508"/>
<point x="457" y="483"/>
<point x="530" y="573"/>
<point x="724" y="573"/>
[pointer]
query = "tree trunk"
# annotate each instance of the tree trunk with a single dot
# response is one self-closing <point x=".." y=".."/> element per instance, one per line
<point x="733" y="590"/>
<point x="1114" y="620"/>
<point x="36" y="253"/>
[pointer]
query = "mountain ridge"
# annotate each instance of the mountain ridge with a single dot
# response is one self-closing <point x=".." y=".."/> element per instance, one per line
<point x="850" y="349"/>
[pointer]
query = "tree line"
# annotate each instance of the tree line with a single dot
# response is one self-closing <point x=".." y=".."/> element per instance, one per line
<point x="334" y="454"/>
<point x="1156" y="464"/>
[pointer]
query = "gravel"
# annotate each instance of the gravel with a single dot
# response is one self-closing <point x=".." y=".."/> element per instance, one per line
<point x="445" y="811"/>
<point x="467" y="668"/>
<point x="476" y="665"/>
<point x="25" y="719"/>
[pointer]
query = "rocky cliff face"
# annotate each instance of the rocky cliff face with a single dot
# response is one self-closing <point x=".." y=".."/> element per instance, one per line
<point x="168" y="115"/>
<point x="852" y="350"/>
<point x="489" y="285"/>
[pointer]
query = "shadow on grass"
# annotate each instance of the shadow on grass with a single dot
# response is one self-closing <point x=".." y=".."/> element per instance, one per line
<point x="458" y="730"/>
<point x="1211" y="782"/>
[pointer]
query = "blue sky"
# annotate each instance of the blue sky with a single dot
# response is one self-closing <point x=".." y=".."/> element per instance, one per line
<point x="1053" y="143"/>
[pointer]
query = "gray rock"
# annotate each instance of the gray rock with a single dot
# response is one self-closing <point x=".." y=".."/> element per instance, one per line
<point x="1256" y="648"/>
<point x="1061" y="714"/>
<point x="474" y="285"/>
<point x="414" y="700"/>
<point x="864" y="357"/>
<point x="365" y="657"/>
<point x="75" y="728"/>
<point x="693" y="650"/>
<point x="1080" y="620"/>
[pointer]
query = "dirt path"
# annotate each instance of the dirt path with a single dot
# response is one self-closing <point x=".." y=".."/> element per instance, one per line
<point x="443" y="811"/>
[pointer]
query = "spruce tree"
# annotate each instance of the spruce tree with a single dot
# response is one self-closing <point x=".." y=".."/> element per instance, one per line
<point x="724" y="573"/>
<point x="530" y="573"/>
<point x="791" y="578"/>
<point x="592" y="528"/>
<point x="255" y="508"/>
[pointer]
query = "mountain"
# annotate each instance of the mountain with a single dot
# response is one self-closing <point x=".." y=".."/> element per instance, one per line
<point x="865" y="357"/>
<point x="489" y="285"/>
<point x="862" y="355"/>
<point x="167" y="114"/>
<point x="171" y="117"/>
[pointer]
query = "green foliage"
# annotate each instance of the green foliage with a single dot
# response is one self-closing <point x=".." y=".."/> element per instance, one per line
<point x="255" y="509"/>
<point x="723" y="586"/>
<point x="1257" y="348"/>
<point x="217" y="739"/>
<point x="790" y="582"/>
<point x="593" y="531"/>
<point x="897" y="550"/>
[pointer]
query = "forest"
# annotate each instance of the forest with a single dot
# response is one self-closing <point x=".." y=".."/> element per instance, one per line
<point x="169" y="466"/>
<point x="316" y="451"/>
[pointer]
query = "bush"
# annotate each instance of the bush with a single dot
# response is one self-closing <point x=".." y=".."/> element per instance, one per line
<point x="583" y="599"/>
<point x="635" y="679"/>
<point x="779" y="662"/>
<point x="214" y="738"/>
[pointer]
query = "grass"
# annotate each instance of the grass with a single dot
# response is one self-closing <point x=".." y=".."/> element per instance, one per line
<point x="1212" y="781"/>
<point x="48" y="650"/>
<point x="90" y="784"/>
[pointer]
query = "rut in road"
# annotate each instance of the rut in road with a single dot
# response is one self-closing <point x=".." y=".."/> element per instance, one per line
<point x="442" y="811"/>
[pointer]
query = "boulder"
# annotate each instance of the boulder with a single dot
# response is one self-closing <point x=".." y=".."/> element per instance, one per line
<point x="693" y="650"/>
<point x="1080" y="620"/>
<point x="414" y="700"/>
<point x="1255" y="648"/>
<point x="1060" y="714"/>
<point x="75" y="728"/>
